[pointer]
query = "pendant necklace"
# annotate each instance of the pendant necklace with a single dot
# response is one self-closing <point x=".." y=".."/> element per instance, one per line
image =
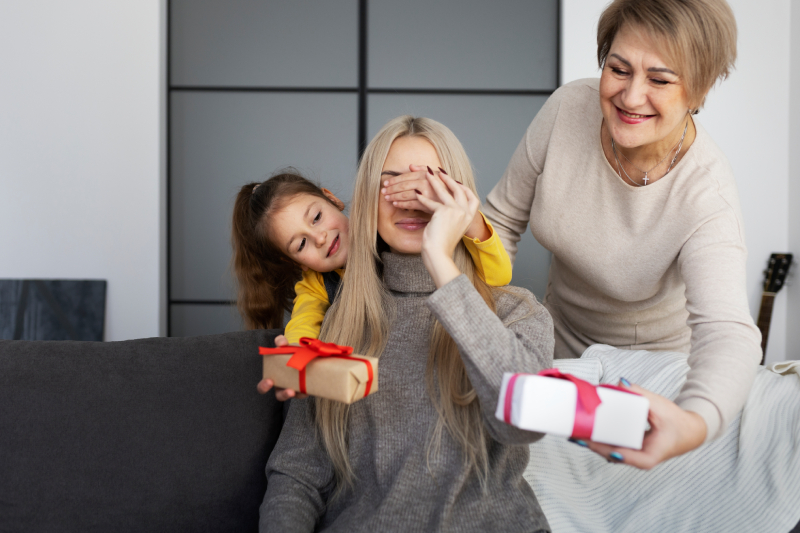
<point x="679" y="145"/>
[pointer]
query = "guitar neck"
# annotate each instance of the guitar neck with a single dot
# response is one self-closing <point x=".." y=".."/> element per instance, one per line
<point x="764" y="318"/>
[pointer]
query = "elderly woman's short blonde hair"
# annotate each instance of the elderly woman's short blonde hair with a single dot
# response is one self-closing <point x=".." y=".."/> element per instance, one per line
<point x="698" y="37"/>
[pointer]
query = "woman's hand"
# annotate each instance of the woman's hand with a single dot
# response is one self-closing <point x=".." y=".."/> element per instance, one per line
<point x="265" y="385"/>
<point x="452" y="215"/>
<point x="673" y="432"/>
<point x="402" y="191"/>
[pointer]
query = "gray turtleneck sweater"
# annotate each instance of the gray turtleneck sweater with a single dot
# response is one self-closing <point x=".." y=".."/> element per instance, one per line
<point x="398" y="486"/>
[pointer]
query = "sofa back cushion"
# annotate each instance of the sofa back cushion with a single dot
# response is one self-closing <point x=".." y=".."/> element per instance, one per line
<point x="162" y="434"/>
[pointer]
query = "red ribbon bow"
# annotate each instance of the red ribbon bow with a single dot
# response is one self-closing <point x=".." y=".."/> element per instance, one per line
<point x="309" y="350"/>
<point x="588" y="400"/>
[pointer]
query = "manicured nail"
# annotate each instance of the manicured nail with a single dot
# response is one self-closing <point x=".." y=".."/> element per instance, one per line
<point x="579" y="442"/>
<point x="430" y="171"/>
<point x="616" y="456"/>
<point x="386" y="183"/>
<point x="625" y="382"/>
<point x="443" y="172"/>
<point x="387" y="196"/>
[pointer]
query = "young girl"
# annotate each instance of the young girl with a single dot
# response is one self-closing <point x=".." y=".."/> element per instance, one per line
<point x="424" y="453"/>
<point x="288" y="227"/>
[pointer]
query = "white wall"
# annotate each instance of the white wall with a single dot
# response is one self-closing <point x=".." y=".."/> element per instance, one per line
<point x="745" y="115"/>
<point x="80" y="150"/>
<point x="793" y="290"/>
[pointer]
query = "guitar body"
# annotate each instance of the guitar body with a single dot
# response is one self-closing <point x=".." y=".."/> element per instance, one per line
<point x="775" y="278"/>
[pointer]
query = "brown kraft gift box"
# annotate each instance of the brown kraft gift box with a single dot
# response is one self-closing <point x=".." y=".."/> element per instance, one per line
<point x="344" y="378"/>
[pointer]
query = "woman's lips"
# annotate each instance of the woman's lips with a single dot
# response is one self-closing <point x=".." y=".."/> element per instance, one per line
<point x="632" y="118"/>
<point x="334" y="247"/>
<point x="411" y="224"/>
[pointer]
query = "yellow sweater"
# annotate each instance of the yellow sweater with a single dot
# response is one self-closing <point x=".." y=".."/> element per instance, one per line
<point x="311" y="301"/>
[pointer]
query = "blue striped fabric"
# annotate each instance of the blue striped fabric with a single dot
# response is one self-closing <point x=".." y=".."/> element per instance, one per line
<point x="748" y="480"/>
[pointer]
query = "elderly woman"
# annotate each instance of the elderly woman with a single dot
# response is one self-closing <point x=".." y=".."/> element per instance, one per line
<point x="640" y="210"/>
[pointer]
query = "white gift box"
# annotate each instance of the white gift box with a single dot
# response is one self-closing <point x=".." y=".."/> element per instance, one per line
<point x="548" y="405"/>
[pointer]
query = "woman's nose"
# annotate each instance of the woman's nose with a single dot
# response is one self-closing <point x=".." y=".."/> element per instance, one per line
<point x="634" y="95"/>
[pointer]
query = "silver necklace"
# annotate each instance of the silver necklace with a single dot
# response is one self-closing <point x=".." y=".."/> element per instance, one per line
<point x="645" y="172"/>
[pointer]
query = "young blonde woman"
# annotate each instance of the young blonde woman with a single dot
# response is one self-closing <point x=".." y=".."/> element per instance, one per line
<point x="425" y="453"/>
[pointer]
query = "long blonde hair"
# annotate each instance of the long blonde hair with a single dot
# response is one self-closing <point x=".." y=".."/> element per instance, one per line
<point x="361" y="316"/>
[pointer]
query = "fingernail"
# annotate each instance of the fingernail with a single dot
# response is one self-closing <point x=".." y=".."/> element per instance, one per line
<point x="625" y="382"/>
<point x="616" y="456"/>
<point x="387" y="196"/>
<point x="386" y="183"/>
<point x="430" y="171"/>
<point x="383" y="191"/>
<point x="443" y="172"/>
<point x="579" y="442"/>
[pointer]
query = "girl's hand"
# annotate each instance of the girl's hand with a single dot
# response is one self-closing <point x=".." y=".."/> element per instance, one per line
<point x="452" y="215"/>
<point x="673" y="432"/>
<point x="265" y="385"/>
<point x="402" y="190"/>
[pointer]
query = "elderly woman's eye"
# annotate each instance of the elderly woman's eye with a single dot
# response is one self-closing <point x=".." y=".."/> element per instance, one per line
<point x="618" y="71"/>
<point x="660" y="82"/>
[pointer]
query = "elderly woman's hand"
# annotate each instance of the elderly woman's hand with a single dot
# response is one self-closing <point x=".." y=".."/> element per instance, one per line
<point x="265" y="385"/>
<point x="673" y="432"/>
<point x="452" y="215"/>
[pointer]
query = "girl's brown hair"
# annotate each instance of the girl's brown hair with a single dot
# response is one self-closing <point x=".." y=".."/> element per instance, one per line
<point x="265" y="276"/>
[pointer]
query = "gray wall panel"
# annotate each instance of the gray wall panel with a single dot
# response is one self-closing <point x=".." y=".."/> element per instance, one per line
<point x="192" y="320"/>
<point x="490" y="128"/>
<point x="286" y="43"/>
<point x="219" y="142"/>
<point x="463" y="44"/>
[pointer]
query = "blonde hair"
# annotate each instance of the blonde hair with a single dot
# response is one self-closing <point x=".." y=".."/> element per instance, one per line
<point x="361" y="316"/>
<point x="698" y="37"/>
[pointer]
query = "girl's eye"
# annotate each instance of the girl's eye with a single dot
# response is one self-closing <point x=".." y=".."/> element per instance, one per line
<point x="316" y="218"/>
<point x="302" y="245"/>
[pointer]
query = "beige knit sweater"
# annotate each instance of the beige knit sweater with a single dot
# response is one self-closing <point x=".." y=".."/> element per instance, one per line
<point x="660" y="267"/>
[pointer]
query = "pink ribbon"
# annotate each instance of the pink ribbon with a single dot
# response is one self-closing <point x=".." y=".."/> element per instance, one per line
<point x="587" y="403"/>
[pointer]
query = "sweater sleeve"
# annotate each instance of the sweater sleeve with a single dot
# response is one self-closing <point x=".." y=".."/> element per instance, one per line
<point x="299" y="475"/>
<point x="519" y="338"/>
<point x="310" y="305"/>
<point x="490" y="257"/>
<point x="726" y="344"/>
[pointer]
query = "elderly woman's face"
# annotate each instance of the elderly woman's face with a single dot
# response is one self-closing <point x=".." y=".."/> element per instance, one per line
<point x="642" y="98"/>
<point x="402" y="229"/>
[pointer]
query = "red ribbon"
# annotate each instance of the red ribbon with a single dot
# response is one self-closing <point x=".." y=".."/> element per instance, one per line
<point x="588" y="400"/>
<point x="309" y="350"/>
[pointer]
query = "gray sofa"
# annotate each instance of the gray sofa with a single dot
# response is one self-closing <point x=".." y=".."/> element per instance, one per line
<point x="162" y="434"/>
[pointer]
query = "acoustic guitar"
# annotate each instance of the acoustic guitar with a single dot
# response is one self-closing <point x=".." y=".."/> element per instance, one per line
<point x="774" y="279"/>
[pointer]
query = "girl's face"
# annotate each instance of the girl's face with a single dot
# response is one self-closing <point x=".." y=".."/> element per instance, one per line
<point x="642" y="98"/>
<point x="312" y="232"/>
<point x="402" y="229"/>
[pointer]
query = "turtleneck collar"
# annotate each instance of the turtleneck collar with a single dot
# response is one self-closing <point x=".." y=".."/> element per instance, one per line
<point x="406" y="273"/>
